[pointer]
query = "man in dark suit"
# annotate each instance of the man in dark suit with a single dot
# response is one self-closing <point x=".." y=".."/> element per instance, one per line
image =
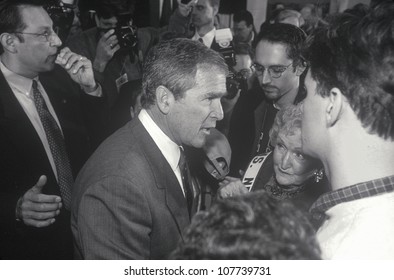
<point x="133" y="198"/>
<point x="196" y="20"/>
<point x="153" y="13"/>
<point x="42" y="132"/>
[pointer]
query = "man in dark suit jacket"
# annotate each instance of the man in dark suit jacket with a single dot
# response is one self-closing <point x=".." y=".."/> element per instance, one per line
<point x="34" y="221"/>
<point x="196" y="20"/>
<point x="150" y="13"/>
<point x="132" y="199"/>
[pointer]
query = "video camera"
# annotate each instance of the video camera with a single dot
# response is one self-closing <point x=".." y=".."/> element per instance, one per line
<point x="224" y="46"/>
<point x="62" y="15"/>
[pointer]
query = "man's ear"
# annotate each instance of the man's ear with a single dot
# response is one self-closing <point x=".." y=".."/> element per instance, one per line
<point x="334" y="107"/>
<point x="215" y="10"/>
<point x="164" y="98"/>
<point x="300" y="68"/>
<point x="8" y="42"/>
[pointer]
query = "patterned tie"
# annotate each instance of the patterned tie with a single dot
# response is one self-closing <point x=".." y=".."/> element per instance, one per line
<point x="187" y="185"/>
<point x="57" y="146"/>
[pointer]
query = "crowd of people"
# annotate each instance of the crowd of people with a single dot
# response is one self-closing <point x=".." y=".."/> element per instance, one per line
<point x="135" y="131"/>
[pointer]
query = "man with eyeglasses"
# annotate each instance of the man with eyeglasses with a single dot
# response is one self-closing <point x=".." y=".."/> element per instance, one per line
<point x="43" y="137"/>
<point x="277" y="66"/>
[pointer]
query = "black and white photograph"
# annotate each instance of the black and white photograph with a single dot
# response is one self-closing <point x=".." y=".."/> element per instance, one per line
<point x="178" y="130"/>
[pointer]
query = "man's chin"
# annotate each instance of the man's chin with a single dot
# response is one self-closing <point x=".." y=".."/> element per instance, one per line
<point x="199" y="141"/>
<point x="272" y="94"/>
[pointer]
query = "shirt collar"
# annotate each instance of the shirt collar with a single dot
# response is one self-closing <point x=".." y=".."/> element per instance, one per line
<point x="15" y="80"/>
<point x="207" y="38"/>
<point x="168" y="148"/>
<point x="354" y="192"/>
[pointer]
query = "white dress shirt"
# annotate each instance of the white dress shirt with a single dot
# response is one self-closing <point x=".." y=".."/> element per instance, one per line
<point x="207" y="38"/>
<point x="168" y="148"/>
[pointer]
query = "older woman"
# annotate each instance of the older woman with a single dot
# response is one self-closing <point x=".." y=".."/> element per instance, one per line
<point x="284" y="173"/>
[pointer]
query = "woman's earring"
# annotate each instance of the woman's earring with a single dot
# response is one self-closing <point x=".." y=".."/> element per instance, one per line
<point x="318" y="175"/>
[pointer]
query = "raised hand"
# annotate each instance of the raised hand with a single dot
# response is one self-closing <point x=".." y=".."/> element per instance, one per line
<point x="78" y="67"/>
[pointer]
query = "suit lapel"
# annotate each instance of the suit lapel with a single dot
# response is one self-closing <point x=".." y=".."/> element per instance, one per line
<point x="164" y="177"/>
<point x="21" y="131"/>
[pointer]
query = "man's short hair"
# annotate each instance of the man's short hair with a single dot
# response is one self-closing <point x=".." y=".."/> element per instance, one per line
<point x="252" y="226"/>
<point x="173" y="64"/>
<point x="11" y="18"/>
<point x="355" y="54"/>
<point x="243" y="15"/>
<point x="289" y="35"/>
<point x="287" y="13"/>
<point x="215" y="3"/>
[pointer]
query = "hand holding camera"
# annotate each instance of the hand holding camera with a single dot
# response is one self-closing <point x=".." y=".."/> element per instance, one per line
<point x="185" y="6"/>
<point x="106" y="48"/>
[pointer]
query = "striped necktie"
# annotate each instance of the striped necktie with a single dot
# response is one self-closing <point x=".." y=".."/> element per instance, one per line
<point x="186" y="180"/>
<point x="56" y="145"/>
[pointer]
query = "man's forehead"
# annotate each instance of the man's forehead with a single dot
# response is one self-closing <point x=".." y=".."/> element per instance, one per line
<point x="34" y="16"/>
<point x="211" y="79"/>
<point x="241" y="23"/>
<point x="273" y="52"/>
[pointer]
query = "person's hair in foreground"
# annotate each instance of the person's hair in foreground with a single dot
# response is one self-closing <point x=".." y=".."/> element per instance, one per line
<point x="251" y="226"/>
<point x="359" y="60"/>
<point x="173" y="64"/>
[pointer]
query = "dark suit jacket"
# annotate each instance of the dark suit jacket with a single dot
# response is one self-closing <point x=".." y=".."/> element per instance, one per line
<point x="127" y="202"/>
<point x="147" y="12"/>
<point x="23" y="160"/>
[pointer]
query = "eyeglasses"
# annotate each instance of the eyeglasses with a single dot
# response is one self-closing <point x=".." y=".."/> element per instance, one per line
<point x="46" y="36"/>
<point x="275" y="71"/>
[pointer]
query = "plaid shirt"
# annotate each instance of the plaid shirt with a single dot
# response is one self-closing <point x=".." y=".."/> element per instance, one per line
<point x="357" y="191"/>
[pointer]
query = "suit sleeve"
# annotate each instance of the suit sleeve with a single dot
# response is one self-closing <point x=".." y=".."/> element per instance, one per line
<point x="114" y="221"/>
<point x="179" y="24"/>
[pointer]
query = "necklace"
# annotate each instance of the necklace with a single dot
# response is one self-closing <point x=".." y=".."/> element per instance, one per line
<point x="274" y="190"/>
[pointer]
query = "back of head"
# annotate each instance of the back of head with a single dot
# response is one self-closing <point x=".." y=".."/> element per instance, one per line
<point x="358" y="59"/>
<point x="251" y="226"/>
<point x="243" y="15"/>
<point x="173" y="64"/>
<point x="286" y="34"/>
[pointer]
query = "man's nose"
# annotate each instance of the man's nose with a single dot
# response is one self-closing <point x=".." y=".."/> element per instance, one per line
<point x="217" y="111"/>
<point x="265" y="77"/>
<point x="54" y="40"/>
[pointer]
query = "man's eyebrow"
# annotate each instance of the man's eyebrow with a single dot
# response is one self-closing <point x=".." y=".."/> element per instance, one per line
<point x="214" y="94"/>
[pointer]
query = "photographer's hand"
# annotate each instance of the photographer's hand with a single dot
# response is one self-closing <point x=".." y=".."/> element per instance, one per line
<point x="106" y="48"/>
<point x="231" y="186"/>
<point x="185" y="9"/>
